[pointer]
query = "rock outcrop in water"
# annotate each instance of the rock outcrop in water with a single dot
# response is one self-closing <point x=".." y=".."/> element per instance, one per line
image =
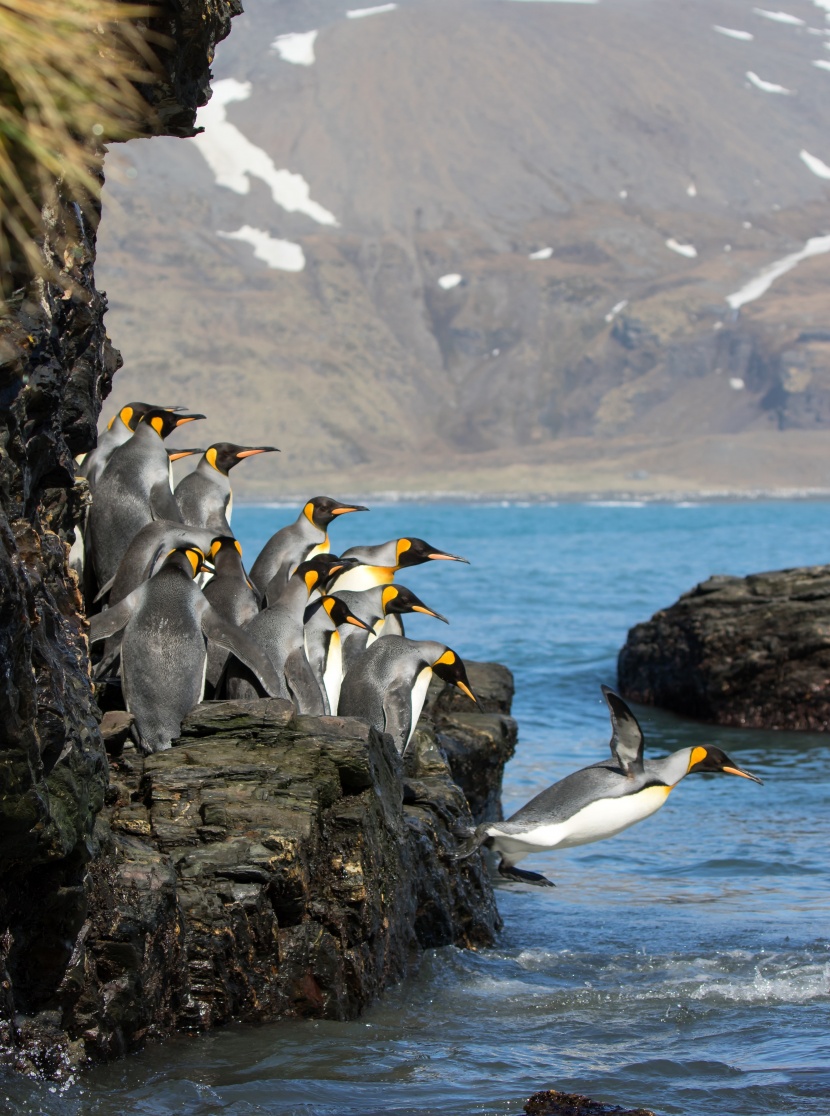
<point x="751" y="651"/>
<point x="269" y="865"/>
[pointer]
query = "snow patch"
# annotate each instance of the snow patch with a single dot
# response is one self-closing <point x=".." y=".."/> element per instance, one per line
<point x="691" y="190"/>
<point x="815" y="165"/>
<point x="744" y="36"/>
<point x="234" y="160"/>
<point x="762" y="282"/>
<point x="780" y="17"/>
<point x="296" y="47"/>
<point x="736" y="383"/>
<point x="612" y="313"/>
<point x="623" y="193"/>
<point x="822" y="64"/>
<point x="361" y="13"/>
<point x="447" y="282"/>
<point x="281" y="255"/>
<point x="766" y="86"/>
<point x="542" y="254"/>
<point x="687" y="250"/>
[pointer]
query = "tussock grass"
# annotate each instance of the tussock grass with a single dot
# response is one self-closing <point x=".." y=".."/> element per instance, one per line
<point x="69" y="71"/>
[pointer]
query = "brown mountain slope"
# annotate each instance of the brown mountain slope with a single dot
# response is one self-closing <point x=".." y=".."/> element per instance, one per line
<point x="456" y="139"/>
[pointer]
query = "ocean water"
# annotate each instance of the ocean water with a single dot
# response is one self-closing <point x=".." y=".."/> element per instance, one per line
<point x="683" y="966"/>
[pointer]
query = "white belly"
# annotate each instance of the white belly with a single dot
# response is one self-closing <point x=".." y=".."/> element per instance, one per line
<point x="595" y="822"/>
<point x="333" y="673"/>
<point x="418" y="697"/>
<point x="364" y="577"/>
<point x="321" y="548"/>
<point x="375" y="632"/>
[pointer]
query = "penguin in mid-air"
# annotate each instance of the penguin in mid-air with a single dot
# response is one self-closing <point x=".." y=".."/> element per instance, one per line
<point x="597" y="802"/>
<point x="298" y="542"/>
<point x="167" y="622"/>
<point x="204" y="496"/>
<point x="380" y="563"/>
<point x="388" y="684"/>
<point x="133" y="490"/>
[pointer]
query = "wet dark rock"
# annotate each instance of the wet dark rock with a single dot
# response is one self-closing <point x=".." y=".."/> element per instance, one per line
<point x="751" y="651"/>
<point x="267" y="866"/>
<point x="551" y="1102"/>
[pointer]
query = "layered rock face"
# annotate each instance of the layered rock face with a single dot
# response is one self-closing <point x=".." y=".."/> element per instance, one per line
<point x="751" y="651"/>
<point x="56" y="365"/>
<point x="272" y="865"/>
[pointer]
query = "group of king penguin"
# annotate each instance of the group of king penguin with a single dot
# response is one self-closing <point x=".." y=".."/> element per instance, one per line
<point x="180" y="618"/>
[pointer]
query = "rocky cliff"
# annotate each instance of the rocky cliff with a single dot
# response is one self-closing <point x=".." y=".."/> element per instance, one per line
<point x="267" y="866"/>
<point x="751" y="651"/>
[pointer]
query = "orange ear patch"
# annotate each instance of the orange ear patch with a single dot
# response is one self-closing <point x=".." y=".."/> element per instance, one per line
<point x="697" y="755"/>
<point x="210" y="457"/>
<point x="402" y="547"/>
<point x="447" y="659"/>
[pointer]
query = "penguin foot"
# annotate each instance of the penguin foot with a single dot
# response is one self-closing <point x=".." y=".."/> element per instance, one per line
<point x="522" y="876"/>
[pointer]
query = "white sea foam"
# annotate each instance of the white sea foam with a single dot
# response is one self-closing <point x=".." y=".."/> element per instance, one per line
<point x="762" y="282"/>
<point x="814" y="164"/>
<point x="542" y="254"/>
<point x="795" y="986"/>
<point x="282" y="255"/>
<point x="767" y="86"/>
<point x="687" y="250"/>
<point x="234" y="160"/>
<point x="744" y="36"/>
<point x="447" y="282"/>
<point x="296" y="47"/>
<point x="361" y="13"/>
<point x="780" y="17"/>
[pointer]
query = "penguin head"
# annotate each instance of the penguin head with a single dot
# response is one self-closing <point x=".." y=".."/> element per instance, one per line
<point x="222" y="456"/>
<point x="189" y="559"/>
<point x="340" y="614"/>
<point x="413" y="552"/>
<point x="399" y="599"/>
<point x="450" y="668"/>
<point x="131" y="414"/>
<point x="321" y="510"/>
<point x="164" y="422"/>
<point x="318" y="571"/>
<point x="225" y="550"/>
<point x="711" y="759"/>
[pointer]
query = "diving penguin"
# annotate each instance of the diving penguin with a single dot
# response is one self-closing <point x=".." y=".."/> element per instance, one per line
<point x="381" y="608"/>
<point x="380" y="563"/>
<point x="167" y="622"/>
<point x="133" y="490"/>
<point x="597" y="802"/>
<point x="387" y="685"/>
<point x="298" y="541"/>
<point x="204" y="496"/>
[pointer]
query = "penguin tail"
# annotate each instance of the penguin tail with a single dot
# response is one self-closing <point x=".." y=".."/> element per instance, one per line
<point x="474" y="841"/>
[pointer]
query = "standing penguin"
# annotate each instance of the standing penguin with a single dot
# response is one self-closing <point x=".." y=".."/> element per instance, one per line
<point x="298" y="541"/>
<point x="597" y="802"/>
<point x="380" y="563"/>
<point x="381" y="608"/>
<point x="167" y="622"/>
<point x="326" y="622"/>
<point x="133" y="490"/>
<point x="120" y="429"/>
<point x="204" y="496"/>
<point x="232" y="595"/>
<point x="278" y="631"/>
<point x="387" y="685"/>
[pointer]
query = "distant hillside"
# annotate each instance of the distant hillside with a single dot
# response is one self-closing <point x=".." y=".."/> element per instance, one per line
<point x="489" y="245"/>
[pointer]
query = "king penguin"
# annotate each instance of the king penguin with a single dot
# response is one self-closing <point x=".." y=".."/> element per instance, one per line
<point x="204" y="496"/>
<point x="298" y="541"/>
<point x="388" y="684"/>
<point x="380" y="563"/>
<point x="381" y="608"/>
<point x="167" y="622"/>
<point x="120" y="429"/>
<point x="597" y="802"/>
<point x="326" y="620"/>
<point x="232" y="595"/>
<point x="133" y="490"/>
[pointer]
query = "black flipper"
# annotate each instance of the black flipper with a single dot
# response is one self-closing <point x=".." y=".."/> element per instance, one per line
<point x="105" y="624"/>
<point x="303" y="686"/>
<point x="626" y="737"/>
<point x="233" y="639"/>
<point x="524" y="877"/>
<point x="102" y="592"/>
<point x="163" y="503"/>
<point x="397" y="715"/>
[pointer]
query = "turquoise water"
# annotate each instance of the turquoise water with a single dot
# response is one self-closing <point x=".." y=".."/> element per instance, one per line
<point x="684" y="965"/>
